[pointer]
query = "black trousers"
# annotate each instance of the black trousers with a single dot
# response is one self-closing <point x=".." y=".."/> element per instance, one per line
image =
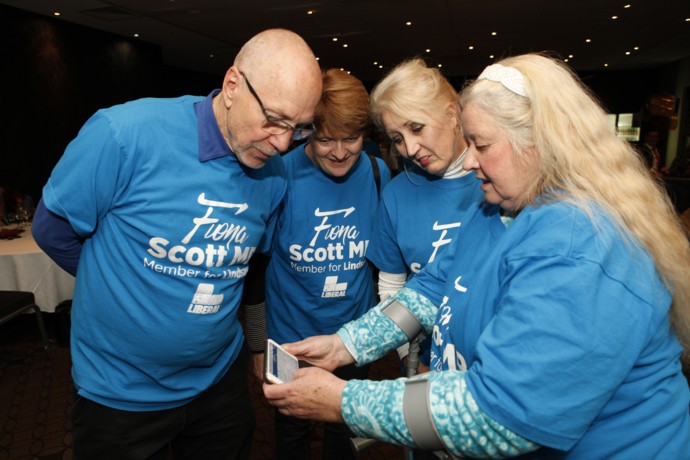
<point x="217" y="425"/>
<point x="292" y="434"/>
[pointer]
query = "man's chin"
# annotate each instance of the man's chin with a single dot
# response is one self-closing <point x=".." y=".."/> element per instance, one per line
<point x="254" y="160"/>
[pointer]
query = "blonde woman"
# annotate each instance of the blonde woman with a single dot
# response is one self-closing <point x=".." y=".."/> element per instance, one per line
<point x="565" y="342"/>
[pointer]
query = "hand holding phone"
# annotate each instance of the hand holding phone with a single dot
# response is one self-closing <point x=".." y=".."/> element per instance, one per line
<point x="279" y="365"/>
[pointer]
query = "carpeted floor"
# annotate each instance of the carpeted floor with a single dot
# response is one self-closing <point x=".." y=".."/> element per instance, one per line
<point x="36" y="395"/>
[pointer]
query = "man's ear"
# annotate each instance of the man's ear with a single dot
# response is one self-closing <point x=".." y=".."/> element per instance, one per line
<point x="230" y="85"/>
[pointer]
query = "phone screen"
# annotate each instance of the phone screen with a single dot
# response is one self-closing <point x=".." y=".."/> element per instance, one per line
<point x="280" y="366"/>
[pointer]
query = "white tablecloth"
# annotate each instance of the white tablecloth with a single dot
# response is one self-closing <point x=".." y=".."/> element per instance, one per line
<point x="24" y="267"/>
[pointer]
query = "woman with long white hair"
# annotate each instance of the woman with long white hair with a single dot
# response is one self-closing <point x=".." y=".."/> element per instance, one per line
<point x="565" y="341"/>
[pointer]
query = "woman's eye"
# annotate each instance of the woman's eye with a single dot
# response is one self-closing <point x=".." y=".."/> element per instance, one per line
<point x="416" y="128"/>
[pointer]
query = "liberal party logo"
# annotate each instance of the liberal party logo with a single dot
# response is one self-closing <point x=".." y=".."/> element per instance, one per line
<point x="331" y="288"/>
<point x="205" y="302"/>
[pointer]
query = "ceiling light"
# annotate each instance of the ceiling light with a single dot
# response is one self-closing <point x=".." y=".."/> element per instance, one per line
<point x="311" y="11"/>
<point x="428" y="50"/>
<point x="211" y="55"/>
<point x="606" y="65"/>
<point x="408" y="23"/>
<point x="376" y="63"/>
<point x="614" y="17"/>
<point x="627" y="53"/>
<point x="637" y="48"/>
<point x="440" y="65"/>
<point x="471" y="47"/>
<point x="494" y="33"/>
<point x="627" y="6"/>
<point x="589" y="40"/>
<point x="570" y="56"/>
<point x="335" y="39"/>
<point x="56" y="13"/>
<point x="344" y="45"/>
<point x="136" y="35"/>
<point x="491" y="56"/>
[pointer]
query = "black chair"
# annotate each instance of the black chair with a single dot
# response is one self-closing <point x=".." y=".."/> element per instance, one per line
<point x="14" y="303"/>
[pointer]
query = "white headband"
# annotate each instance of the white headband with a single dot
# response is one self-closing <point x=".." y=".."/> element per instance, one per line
<point x="509" y="77"/>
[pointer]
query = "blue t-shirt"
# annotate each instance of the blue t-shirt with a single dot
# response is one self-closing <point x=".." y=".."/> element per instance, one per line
<point x="565" y="333"/>
<point x="318" y="277"/>
<point x="421" y="216"/>
<point x="170" y="220"/>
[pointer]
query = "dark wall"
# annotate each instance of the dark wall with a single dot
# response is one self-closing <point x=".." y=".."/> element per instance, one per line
<point x="55" y="75"/>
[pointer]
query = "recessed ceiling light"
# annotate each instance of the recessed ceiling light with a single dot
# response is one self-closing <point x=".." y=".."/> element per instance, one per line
<point x="136" y="35"/>
<point x="627" y="53"/>
<point x="428" y="50"/>
<point x="491" y="56"/>
<point x="311" y="11"/>
<point x="211" y="55"/>
<point x="471" y="47"/>
<point x="637" y="48"/>
<point x="376" y="63"/>
<point x="614" y="17"/>
<point x="317" y="58"/>
<point x="380" y="67"/>
<point x="344" y="45"/>
<point x="627" y="6"/>
<point x="408" y="23"/>
<point x="440" y="65"/>
<point x="335" y="39"/>
<point x="494" y="33"/>
<point x="606" y="65"/>
<point x="570" y="56"/>
<point x="56" y="13"/>
<point x="589" y="40"/>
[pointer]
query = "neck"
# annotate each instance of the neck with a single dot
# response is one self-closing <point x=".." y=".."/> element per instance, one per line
<point x="455" y="169"/>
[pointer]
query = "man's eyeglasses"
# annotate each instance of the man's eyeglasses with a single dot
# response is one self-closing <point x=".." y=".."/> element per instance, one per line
<point x="273" y="125"/>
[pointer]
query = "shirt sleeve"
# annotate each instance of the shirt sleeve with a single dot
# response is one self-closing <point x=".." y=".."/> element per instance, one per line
<point x="55" y="236"/>
<point x="375" y="410"/>
<point x="374" y="334"/>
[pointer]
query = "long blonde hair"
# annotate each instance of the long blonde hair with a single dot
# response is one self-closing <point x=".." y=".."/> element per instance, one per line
<point x="583" y="161"/>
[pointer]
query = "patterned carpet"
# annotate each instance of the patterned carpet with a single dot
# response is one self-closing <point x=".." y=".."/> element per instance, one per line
<point x="36" y="396"/>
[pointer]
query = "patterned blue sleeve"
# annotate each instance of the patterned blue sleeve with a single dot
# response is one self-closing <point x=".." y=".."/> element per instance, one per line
<point x="375" y="410"/>
<point x="374" y="334"/>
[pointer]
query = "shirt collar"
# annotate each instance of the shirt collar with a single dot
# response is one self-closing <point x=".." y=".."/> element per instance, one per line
<point x="212" y="145"/>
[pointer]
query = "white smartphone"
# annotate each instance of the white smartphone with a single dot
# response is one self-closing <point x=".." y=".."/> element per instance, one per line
<point x="279" y="365"/>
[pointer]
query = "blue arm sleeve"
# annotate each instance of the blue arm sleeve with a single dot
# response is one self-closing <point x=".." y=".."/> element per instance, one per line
<point x="56" y="237"/>
<point x="374" y="334"/>
<point x="375" y="410"/>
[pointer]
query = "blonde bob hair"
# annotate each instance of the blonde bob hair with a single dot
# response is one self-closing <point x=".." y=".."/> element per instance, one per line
<point x="411" y="88"/>
<point x="581" y="160"/>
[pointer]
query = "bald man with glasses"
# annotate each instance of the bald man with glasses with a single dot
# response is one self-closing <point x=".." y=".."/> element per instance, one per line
<point x="157" y="207"/>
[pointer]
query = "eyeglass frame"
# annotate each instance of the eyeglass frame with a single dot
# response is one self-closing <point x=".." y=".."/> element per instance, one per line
<point x="298" y="133"/>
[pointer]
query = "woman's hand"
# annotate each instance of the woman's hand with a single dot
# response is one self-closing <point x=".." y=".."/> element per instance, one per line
<point x="314" y="394"/>
<point x="325" y="351"/>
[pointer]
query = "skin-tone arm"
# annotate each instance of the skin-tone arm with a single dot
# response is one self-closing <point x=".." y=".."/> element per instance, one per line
<point x="315" y="393"/>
